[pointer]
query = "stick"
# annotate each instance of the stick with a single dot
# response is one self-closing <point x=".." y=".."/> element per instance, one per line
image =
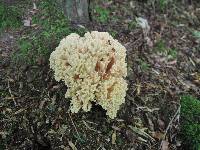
<point x="170" y="124"/>
<point x="74" y="126"/>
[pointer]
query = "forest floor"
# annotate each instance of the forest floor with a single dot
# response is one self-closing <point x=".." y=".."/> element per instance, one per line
<point x="163" y="65"/>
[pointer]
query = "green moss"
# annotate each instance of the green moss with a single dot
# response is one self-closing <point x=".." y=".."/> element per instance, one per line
<point x="113" y="33"/>
<point x="162" y="4"/>
<point x="10" y="16"/>
<point x="24" y="46"/>
<point x="190" y="122"/>
<point x="52" y="27"/>
<point x="102" y="14"/>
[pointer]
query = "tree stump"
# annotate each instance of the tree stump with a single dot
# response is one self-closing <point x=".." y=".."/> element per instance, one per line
<point x="77" y="11"/>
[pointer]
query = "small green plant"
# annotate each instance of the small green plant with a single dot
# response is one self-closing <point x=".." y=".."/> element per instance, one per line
<point x="132" y="25"/>
<point x="196" y="34"/>
<point x="10" y="16"/>
<point x="162" y="4"/>
<point x="113" y="33"/>
<point x="144" y="65"/>
<point x="24" y="47"/>
<point x="190" y="122"/>
<point x="102" y="14"/>
<point x="161" y="47"/>
<point x="172" y="53"/>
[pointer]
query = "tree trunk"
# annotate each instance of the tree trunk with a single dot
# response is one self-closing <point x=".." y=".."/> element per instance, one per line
<point x="77" y="11"/>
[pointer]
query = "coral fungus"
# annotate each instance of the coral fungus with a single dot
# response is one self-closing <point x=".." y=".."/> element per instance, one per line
<point x="93" y="67"/>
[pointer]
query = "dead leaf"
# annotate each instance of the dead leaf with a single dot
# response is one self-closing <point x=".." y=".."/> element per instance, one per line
<point x="116" y="128"/>
<point x="149" y="42"/>
<point x="172" y="62"/>
<point x="143" y="23"/>
<point x="132" y="5"/>
<point x="81" y="26"/>
<point x="165" y="145"/>
<point x="34" y="25"/>
<point x="158" y="135"/>
<point x="161" y="124"/>
<point x="40" y="60"/>
<point x="55" y="87"/>
<point x="27" y="22"/>
<point x="34" y="6"/>
<point x="107" y="4"/>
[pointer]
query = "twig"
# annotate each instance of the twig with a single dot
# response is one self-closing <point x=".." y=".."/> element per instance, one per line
<point x="144" y="108"/>
<point x="169" y="125"/>
<point x="90" y="128"/>
<point x="11" y="95"/>
<point x="74" y="126"/>
<point x="142" y="133"/>
<point x="9" y="98"/>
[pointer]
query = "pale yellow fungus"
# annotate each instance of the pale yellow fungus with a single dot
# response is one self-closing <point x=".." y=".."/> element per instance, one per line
<point x="93" y="67"/>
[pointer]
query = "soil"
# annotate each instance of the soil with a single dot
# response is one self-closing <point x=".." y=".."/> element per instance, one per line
<point x="34" y="113"/>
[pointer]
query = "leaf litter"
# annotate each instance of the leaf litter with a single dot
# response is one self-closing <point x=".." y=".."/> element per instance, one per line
<point x="37" y="113"/>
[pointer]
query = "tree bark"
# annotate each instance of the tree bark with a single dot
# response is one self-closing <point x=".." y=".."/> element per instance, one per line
<point x="77" y="11"/>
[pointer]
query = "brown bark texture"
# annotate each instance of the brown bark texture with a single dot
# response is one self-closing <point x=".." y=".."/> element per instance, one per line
<point x="77" y="11"/>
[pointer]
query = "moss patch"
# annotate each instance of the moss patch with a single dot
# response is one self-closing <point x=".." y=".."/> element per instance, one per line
<point x="40" y="41"/>
<point x="190" y="119"/>
<point x="10" y="16"/>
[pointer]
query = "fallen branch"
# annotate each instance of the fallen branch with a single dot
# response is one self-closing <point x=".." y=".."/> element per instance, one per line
<point x="169" y="125"/>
